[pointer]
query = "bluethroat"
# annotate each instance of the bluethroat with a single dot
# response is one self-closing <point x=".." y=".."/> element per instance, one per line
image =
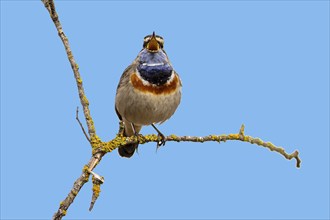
<point x="149" y="91"/>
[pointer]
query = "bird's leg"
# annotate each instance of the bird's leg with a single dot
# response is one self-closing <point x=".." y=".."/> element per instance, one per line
<point x="137" y="135"/>
<point x="161" y="141"/>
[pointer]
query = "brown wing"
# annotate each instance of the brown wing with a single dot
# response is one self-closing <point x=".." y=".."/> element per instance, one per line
<point x="123" y="80"/>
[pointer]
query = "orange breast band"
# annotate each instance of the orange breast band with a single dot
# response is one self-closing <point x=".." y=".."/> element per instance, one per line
<point x="167" y="88"/>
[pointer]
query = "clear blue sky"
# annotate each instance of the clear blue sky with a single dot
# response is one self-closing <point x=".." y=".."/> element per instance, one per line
<point x="264" y="64"/>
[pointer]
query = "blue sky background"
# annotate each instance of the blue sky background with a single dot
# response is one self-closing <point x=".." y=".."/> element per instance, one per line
<point x="261" y="63"/>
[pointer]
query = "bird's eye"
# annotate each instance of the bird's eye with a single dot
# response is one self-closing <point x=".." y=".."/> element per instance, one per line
<point x="160" y="41"/>
<point x="146" y="40"/>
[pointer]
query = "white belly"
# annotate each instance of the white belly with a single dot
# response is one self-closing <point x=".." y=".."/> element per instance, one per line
<point x="144" y="108"/>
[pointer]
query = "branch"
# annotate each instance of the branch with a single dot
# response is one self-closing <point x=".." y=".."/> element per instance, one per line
<point x="50" y="6"/>
<point x="120" y="141"/>
<point x="101" y="148"/>
<point x="78" y="184"/>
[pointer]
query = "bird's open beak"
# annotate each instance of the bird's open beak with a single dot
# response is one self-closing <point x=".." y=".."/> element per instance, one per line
<point x="153" y="45"/>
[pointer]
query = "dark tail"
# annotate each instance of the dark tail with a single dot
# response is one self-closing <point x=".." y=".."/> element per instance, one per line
<point x="128" y="150"/>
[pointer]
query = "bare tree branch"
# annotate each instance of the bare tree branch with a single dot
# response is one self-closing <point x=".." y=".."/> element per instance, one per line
<point x="100" y="148"/>
<point x="50" y="6"/>
<point x="78" y="184"/>
<point x="119" y="141"/>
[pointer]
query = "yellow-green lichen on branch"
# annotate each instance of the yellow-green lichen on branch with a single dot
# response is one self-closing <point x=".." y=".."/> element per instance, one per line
<point x="109" y="146"/>
<point x="79" y="80"/>
<point x="84" y="100"/>
<point x="174" y="137"/>
<point x="233" y="137"/>
<point x="86" y="172"/>
<point x="96" y="187"/>
<point x="120" y="141"/>
<point x="96" y="191"/>
<point x="150" y="138"/>
<point x="74" y="192"/>
<point x="215" y="138"/>
<point x="96" y="142"/>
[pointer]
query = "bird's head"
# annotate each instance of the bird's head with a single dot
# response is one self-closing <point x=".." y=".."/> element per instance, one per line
<point x="153" y="43"/>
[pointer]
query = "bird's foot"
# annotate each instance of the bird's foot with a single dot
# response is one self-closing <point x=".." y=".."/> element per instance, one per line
<point x="161" y="138"/>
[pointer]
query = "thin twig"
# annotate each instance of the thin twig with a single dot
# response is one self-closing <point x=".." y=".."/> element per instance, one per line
<point x="82" y="127"/>
<point x="97" y="182"/>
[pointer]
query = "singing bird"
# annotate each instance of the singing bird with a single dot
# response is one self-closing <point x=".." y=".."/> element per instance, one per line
<point x="149" y="91"/>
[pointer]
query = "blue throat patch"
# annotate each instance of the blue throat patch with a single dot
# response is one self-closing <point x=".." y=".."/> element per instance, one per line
<point x="157" y="75"/>
<point x="154" y="67"/>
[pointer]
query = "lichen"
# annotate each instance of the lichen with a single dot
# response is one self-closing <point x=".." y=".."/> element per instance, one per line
<point x="113" y="144"/>
<point x="150" y="138"/>
<point x="86" y="172"/>
<point x="96" y="142"/>
<point x="96" y="189"/>
<point x="215" y="138"/>
<point x="174" y="137"/>
<point x="85" y="100"/>
<point x="233" y="136"/>
<point x="74" y="192"/>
